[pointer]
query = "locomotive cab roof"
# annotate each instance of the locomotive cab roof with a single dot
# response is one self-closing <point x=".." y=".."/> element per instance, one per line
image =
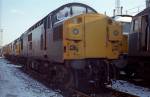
<point x="65" y="11"/>
<point x="144" y="12"/>
<point x="123" y="18"/>
<point x="74" y="4"/>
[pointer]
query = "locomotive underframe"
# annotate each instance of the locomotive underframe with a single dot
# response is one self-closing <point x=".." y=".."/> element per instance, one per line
<point x="138" y="67"/>
<point x="87" y="75"/>
<point x="139" y="45"/>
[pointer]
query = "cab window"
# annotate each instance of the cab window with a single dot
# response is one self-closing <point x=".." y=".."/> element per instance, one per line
<point x="61" y="14"/>
<point x="126" y="27"/>
<point x="90" y="10"/>
<point x="76" y="10"/>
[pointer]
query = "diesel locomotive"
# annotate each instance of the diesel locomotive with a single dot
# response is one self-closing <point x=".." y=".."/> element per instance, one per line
<point x="0" y="52"/>
<point x="139" y="46"/>
<point x="73" y="47"/>
<point x="125" y="21"/>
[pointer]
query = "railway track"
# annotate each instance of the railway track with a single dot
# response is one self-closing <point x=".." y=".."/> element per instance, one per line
<point x="109" y="93"/>
<point x="122" y="94"/>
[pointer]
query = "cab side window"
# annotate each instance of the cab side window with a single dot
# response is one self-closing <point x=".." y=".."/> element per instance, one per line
<point x="30" y="41"/>
<point x="48" y="22"/>
<point x="21" y="44"/>
<point x="144" y="36"/>
<point x="41" y="44"/>
<point x="136" y="25"/>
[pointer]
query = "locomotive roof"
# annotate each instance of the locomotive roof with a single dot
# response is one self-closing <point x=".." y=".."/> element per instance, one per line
<point x="123" y="18"/>
<point x="61" y="7"/>
<point x="145" y="11"/>
<point x="73" y="4"/>
<point x="53" y="12"/>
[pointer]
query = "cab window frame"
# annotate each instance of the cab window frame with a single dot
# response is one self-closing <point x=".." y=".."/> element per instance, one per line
<point x="136" y="25"/>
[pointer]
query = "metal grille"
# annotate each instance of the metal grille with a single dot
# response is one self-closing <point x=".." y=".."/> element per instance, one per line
<point x="58" y="33"/>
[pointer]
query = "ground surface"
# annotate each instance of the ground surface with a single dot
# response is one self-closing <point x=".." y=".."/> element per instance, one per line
<point x="127" y="87"/>
<point x="14" y="83"/>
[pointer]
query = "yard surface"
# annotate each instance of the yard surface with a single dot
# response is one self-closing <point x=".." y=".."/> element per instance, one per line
<point x="15" y="83"/>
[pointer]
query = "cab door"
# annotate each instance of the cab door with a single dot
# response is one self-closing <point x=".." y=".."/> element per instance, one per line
<point x="145" y="34"/>
<point x="57" y="43"/>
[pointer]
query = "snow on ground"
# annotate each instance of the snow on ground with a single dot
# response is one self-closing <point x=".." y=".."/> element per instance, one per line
<point x="127" y="87"/>
<point x="14" y="83"/>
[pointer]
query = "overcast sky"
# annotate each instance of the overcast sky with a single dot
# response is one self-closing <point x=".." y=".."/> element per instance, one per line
<point x="18" y="15"/>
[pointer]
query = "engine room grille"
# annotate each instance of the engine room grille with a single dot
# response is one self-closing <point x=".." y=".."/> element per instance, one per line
<point x="58" y="33"/>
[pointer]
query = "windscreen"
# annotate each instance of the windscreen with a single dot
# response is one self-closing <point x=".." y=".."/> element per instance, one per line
<point x="126" y="27"/>
<point x="70" y="11"/>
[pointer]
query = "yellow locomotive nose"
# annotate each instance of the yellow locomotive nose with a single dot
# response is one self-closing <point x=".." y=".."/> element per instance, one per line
<point x="91" y="36"/>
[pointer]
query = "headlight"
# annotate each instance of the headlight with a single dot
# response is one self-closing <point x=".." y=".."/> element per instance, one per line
<point x="76" y="31"/>
<point x="115" y="33"/>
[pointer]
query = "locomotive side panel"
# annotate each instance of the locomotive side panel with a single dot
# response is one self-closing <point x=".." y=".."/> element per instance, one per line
<point x="0" y="52"/>
<point x="139" y="38"/>
<point x="133" y="37"/>
<point x="56" y="43"/>
<point x="49" y="43"/>
<point x="33" y="42"/>
<point x="17" y="47"/>
<point x="25" y="45"/>
<point x="37" y="42"/>
<point x="10" y="49"/>
<point x="139" y="46"/>
<point x="133" y="45"/>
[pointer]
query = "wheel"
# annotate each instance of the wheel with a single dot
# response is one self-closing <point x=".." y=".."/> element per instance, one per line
<point x="44" y="67"/>
<point x="114" y="72"/>
<point x="129" y="70"/>
<point x="28" y="65"/>
<point x="61" y="76"/>
<point x="92" y="78"/>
